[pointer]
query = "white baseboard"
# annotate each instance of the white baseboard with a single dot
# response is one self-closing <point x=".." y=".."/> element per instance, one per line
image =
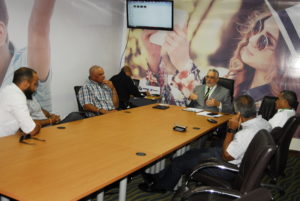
<point x="295" y="144"/>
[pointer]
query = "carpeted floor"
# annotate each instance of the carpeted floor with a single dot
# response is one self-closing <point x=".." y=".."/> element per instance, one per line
<point x="291" y="184"/>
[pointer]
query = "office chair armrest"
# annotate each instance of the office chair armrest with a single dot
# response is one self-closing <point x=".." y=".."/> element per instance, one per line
<point x="214" y="163"/>
<point x="197" y="175"/>
<point x="212" y="190"/>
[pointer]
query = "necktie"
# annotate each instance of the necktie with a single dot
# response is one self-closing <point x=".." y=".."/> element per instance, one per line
<point x="206" y="95"/>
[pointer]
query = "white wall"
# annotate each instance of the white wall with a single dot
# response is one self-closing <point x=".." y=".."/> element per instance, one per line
<point x="83" y="33"/>
<point x="84" y="39"/>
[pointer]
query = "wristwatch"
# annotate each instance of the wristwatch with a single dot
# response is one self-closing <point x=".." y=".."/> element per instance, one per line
<point x="229" y="130"/>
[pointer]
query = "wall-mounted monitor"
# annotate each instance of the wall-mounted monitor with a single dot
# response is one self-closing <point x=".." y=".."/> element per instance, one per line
<point x="147" y="14"/>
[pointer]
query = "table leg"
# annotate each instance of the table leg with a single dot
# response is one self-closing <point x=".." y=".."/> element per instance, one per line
<point x="122" y="189"/>
<point x="100" y="196"/>
<point x="180" y="152"/>
<point x="3" y="198"/>
<point x="163" y="164"/>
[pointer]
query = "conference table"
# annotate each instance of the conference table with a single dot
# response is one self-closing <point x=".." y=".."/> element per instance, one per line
<point x="82" y="157"/>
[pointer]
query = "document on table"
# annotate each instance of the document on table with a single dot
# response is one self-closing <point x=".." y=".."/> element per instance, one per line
<point x="208" y="114"/>
<point x="191" y="109"/>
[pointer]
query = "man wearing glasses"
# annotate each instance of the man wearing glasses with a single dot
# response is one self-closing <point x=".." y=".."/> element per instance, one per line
<point x="285" y="104"/>
<point x="13" y="106"/>
<point x="211" y="96"/>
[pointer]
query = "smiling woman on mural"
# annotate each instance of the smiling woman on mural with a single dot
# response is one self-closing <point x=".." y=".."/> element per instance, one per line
<point x="257" y="62"/>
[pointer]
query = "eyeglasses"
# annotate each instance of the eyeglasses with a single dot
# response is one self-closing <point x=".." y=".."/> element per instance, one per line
<point x="210" y="77"/>
<point x="28" y="136"/>
<point x="263" y="41"/>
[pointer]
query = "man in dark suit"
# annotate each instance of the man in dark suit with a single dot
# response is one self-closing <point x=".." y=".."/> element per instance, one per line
<point x="211" y="96"/>
<point x="125" y="86"/>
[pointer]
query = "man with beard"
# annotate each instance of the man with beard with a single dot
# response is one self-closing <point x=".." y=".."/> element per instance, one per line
<point x="212" y="96"/>
<point x="13" y="108"/>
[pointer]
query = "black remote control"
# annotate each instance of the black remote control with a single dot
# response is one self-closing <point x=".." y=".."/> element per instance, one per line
<point x="212" y="121"/>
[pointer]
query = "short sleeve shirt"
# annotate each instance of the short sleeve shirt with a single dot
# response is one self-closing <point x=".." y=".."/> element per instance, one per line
<point x="281" y="117"/>
<point x="96" y="94"/>
<point x="242" y="139"/>
<point x="35" y="109"/>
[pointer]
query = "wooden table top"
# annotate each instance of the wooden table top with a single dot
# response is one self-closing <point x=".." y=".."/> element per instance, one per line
<point x="92" y="153"/>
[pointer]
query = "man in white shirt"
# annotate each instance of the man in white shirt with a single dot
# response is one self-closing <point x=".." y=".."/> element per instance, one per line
<point x="234" y="147"/>
<point x="285" y="105"/>
<point x="13" y="106"/>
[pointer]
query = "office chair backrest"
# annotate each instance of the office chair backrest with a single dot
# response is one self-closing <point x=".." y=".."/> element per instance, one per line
<point x="76" y="89"/>
<point x="136" y="82"/>
<point x="254" y="162"/>
<point x="282" y="137"/>
<point x="228" y="84"/>
<point x="296" y="106"/>
<point x="267" y="108"/>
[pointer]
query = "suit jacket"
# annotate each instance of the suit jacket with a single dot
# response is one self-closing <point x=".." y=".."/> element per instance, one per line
<point x="221" y="94"/>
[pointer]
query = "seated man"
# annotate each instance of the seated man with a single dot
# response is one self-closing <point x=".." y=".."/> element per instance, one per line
<point x="13" y="108"/>
<point x="285" y="104"/>
<point x="125" y="86"/>
<point x="43" y="117"/>
<point x="233" y="149"/>
<point x="211" y="96"/>
<point x="97" y="95"/>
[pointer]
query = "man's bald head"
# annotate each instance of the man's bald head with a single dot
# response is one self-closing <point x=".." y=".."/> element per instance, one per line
<point x="97" y="74"/>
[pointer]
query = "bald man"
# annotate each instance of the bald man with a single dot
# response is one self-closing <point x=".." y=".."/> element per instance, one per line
<point x="125" y="87"/>
<point x="98" y="96"/>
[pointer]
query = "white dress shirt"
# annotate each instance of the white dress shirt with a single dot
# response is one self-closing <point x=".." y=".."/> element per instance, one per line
<point x="14" y="113"/>
<point x="242" y="138"/>
<point x="281" y="117"/>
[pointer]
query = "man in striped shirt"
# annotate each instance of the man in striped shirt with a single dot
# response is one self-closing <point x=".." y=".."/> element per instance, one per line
<point x="97" y="95"/>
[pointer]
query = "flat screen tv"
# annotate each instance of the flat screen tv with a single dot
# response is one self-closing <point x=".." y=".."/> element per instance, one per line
<point x="147" y="14"/>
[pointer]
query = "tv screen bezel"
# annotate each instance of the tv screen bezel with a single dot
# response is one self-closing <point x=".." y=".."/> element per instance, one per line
<point x="151" y="27"/>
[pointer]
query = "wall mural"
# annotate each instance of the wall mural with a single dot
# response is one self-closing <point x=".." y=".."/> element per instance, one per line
<point x="254" y="42"/>
<point x="36" y="52"/>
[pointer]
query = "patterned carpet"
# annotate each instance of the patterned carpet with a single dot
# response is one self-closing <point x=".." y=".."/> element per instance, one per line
<point x="291" y="185"/>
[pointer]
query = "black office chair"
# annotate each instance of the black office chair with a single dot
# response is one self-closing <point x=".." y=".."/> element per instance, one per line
<point x="248" y="175"/>
<point x="76" y="89"/>
<point x="296" y="106"/>
<point x="267" y="108"/>
<point x="259" y="194"/>
<point x="136" y="82"/>
<point x="228" y="84"/>
<point x="282" y="138"/>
